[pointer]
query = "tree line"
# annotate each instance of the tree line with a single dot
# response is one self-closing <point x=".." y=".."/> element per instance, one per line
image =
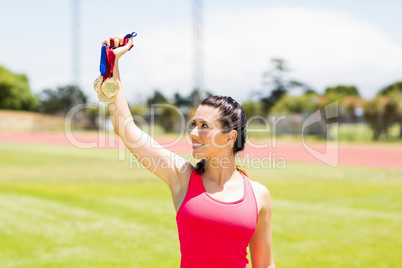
<point x="275" y="97"/>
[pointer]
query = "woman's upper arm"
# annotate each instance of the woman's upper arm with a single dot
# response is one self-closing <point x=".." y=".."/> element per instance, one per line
<point x="261" y="241"/>
<point x="165" y="164"/>
<point x="173" y="169"/>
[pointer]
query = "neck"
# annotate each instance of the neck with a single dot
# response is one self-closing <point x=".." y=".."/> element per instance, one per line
<point x="220" y="169"/>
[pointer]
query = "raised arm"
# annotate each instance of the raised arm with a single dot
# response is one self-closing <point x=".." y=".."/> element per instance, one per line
<point x="171" y="168"/>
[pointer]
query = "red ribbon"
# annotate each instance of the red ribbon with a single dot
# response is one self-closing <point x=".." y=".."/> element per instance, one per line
<point x="110" y="58"/>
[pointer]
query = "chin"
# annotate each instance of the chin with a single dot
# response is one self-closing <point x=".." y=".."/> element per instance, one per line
<point x="198" y="155"/>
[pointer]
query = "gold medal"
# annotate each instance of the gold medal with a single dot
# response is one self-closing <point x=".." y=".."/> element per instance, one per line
<point x="110" y="87"/>
<point x="104" y="98"/>
<point x="97" y="83"/>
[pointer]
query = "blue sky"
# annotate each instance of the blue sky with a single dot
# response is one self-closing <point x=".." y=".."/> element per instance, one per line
<point x="325" y="43"/>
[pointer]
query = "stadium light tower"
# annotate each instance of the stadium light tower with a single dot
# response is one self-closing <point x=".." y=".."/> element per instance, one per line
<point x="75" y="42"/>
<point x="198" y="68"/>
<point x="76" y="56"/>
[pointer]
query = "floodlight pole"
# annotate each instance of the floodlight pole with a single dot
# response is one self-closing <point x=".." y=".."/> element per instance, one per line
<point x="198" y="72"/>
<point x="75" y="42"/>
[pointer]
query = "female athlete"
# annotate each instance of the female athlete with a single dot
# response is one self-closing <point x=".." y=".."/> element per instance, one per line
<point x="220" y="212"/>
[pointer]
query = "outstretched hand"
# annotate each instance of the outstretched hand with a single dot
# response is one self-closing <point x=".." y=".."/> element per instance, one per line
<point x="118" y="48"/>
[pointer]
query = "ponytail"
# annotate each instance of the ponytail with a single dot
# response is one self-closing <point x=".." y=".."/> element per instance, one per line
<point x="241" y="170"/>
<point x="200" y="167"/>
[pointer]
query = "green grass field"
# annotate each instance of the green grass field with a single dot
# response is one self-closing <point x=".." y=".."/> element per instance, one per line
<point x="67" y="207"/>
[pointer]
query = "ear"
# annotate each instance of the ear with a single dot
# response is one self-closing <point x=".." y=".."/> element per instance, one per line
<point x="232" y="136"/>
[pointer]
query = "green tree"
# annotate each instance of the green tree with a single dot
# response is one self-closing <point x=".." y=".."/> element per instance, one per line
<point x="278" y="83"/>
<point x="157" y="98"/>
<point x="295" y="104"/>
<point x="348" y="98"/>
<point x="252" y="108"/>
<point x="61" y="100"/>
<point x="393" y="88"/>
<point x="169" y="117"/>
<point x="195" y="97"/>
<point x="165" y="114"/>
<point x="192" y="100"/>
<point x="342" y="91"/>
<point x="93" y="114"/>
<point x="394" y="91"/>
<point x="372" y="113"/>
<point x="15" y="93"/>
<point x="181" y="101"/>
<point x="381" y="112"/>
<point x="139" y="110"/>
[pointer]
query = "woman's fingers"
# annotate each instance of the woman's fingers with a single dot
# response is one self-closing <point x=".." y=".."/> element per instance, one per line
<point x="129" y="43"/>
<point x="107" y="42"/>
<point x="113" y="41"/>
<point x="121" y="39"/>
<point x="116" y="41"/>
<point x="117" y="44"/>
<point x="120" y="51"/>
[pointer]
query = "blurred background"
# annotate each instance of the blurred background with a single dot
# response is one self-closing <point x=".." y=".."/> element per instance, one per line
<point x="279" y="59"/>
<point x="282" y="57"/>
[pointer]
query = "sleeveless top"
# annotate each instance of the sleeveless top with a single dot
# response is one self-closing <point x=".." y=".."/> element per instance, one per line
<point x="213" y="233"/>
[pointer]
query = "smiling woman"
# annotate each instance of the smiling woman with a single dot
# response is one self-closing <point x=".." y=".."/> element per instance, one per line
<point x="220" y="212"/>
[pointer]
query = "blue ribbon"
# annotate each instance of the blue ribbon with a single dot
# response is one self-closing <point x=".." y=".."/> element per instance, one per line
<point x="133" y="34"/>
<point x="103" y="60"/>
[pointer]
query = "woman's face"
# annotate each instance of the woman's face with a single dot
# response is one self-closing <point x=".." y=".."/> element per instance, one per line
<point x="207" y="138"/>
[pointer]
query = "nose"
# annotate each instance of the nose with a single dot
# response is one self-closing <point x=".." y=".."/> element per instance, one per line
<point x="194" y="132"/>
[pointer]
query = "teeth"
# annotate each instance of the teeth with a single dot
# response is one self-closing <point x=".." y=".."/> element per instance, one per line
<point x="197" y="144"/>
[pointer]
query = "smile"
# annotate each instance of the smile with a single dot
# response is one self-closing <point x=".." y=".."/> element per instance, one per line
<point x="197" y="145"/>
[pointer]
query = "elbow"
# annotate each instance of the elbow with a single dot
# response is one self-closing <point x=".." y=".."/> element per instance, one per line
<point x="116" y="131"/>
<point x="264" y="263"/>
<point x="124" y="130"/>
<point x="271" y="264"/>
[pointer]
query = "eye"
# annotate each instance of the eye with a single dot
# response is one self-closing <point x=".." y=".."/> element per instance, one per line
<point x="193" y="124"/>
<point x="204" y="126"/>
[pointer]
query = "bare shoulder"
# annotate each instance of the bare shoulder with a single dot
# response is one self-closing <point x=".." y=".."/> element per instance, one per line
<point x="262" y="195"/>
<point x="184" y="173"/>
<point x="260" y="190"/>
<point x="179" y="188"/>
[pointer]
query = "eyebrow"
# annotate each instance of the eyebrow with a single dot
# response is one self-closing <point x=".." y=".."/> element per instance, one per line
<point x="200" y="120"/>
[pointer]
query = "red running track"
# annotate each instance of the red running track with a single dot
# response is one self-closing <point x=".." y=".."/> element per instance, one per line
<point x="343" y="155"/>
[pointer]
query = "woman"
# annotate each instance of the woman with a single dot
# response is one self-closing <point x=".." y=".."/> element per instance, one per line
<point x="219" y="210"/>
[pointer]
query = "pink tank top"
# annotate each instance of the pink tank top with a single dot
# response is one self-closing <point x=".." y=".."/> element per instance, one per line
<point x="214" y="233"/>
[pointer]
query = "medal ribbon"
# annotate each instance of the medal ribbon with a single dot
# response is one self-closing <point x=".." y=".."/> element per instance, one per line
<point x="108" y="57"/>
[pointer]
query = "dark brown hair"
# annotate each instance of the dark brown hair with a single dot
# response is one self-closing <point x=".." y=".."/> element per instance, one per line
<point x="232" y="117"/>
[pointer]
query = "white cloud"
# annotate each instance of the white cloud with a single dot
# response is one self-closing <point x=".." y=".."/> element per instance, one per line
<point x="323" y="47"/>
